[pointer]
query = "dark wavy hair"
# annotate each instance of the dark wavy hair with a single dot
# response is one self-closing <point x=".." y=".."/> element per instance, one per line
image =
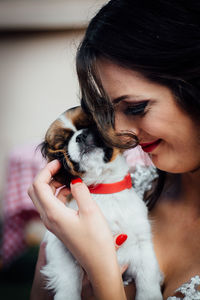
<point x="160" y="39"/>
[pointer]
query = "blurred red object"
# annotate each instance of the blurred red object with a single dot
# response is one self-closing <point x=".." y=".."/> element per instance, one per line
<point x="18" y="210"/>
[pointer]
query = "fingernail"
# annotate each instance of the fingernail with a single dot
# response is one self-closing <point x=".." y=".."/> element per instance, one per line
<point x="76" y="180"/>
<point x="121" y="239"/>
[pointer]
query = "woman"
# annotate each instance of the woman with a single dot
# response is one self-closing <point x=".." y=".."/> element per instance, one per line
<point x="139" y="73"/>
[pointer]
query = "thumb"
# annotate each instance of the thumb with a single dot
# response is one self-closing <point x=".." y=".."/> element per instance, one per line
<point x="81" y="194"/>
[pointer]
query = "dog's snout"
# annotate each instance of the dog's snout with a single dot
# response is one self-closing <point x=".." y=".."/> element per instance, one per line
<point x="81" y="138"/>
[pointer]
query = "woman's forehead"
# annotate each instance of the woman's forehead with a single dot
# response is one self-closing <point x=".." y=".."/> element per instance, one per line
<point x="120" y="82"/>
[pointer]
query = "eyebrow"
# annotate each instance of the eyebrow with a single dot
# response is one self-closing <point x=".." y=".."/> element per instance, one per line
<point x="121" y="98"/>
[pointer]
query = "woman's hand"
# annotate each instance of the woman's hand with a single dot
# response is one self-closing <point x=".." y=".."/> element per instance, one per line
<point x="130" y="289"/>
<point x="84" y="232"/>
<point x="88" y="294"/>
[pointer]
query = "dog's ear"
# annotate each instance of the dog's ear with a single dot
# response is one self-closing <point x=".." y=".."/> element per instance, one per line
<point x="48" y="153"/>
<point x="80" y="119"/>
<point x="64" y="175"/>
<point x="43" y="148"/>
<point x="56" y="142"/>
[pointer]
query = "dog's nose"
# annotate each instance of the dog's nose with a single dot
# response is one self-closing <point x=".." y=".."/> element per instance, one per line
<point x="81" y="138"/>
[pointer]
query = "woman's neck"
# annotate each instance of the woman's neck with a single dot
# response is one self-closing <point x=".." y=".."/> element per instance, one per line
<point x="182" y="190"/>
<point x="190" y="187"/>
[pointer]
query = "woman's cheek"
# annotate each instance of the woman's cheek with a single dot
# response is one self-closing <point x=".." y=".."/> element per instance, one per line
<point x="123" y="122"/>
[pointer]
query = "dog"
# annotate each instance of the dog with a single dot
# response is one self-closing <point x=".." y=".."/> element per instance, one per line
<point x="74" y="140"/>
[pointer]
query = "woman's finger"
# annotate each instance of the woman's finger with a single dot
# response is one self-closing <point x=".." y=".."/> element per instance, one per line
<point x="62" y="194"/>
<point x="55" y="185"/>
<point x="33" y="197"/>
<point x="46" y="174"/>
<point x="82" y="195"/>
<point x="41" y="185"/>
<point x="119" y="240"/>
<point x="123" y="268"/>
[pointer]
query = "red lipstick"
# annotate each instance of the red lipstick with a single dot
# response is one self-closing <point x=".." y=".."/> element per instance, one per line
<point x="149" y="147"/>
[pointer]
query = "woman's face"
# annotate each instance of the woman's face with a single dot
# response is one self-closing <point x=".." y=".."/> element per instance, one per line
<point x="148" y="109"/>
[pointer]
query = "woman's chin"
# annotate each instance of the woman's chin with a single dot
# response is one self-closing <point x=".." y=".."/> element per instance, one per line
<point x="171" y="166"/>
<point x="166" y="165"/>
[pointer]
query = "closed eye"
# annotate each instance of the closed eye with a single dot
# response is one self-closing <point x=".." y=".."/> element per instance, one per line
<point x="136" y="109"/>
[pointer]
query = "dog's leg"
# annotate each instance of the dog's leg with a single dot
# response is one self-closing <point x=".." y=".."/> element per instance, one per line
<point x="63" y="274"/>
<point x="145" y="270"/>
<point x="64" y="278"/>
<point x="70" y="286"/>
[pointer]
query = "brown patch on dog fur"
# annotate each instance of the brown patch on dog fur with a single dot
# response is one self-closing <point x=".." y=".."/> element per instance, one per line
<point x="52" y="152"/>
<point x="57" y="129"/>
<point x="114" y="154"/>
<point x="58" y="134"/>
<point x="79" y="118"/>
<point x="56" y="139"/>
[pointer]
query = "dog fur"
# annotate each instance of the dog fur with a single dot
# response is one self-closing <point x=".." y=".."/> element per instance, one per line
<point x="124" y="211"/>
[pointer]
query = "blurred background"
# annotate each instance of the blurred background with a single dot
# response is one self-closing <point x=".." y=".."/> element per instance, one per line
<point x="38" y="42"/>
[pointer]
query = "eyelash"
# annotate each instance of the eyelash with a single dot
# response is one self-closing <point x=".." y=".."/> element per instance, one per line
<point x="137" y="109"/>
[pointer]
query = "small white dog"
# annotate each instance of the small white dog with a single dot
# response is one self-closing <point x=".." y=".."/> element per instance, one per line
<point x="82" y="153"/>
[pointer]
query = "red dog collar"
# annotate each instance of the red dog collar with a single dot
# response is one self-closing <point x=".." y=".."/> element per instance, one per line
<point x="111" y="188"/>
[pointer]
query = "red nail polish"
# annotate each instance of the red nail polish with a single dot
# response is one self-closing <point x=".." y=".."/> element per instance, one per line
<point x="121" y="239"/>
<point x="76" y="180"/>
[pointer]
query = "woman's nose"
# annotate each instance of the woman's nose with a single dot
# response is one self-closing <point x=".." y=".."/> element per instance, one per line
<point x="122" y="124"/>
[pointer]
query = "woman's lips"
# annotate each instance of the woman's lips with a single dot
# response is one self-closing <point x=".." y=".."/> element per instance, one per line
<point x="149" y="147"/>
